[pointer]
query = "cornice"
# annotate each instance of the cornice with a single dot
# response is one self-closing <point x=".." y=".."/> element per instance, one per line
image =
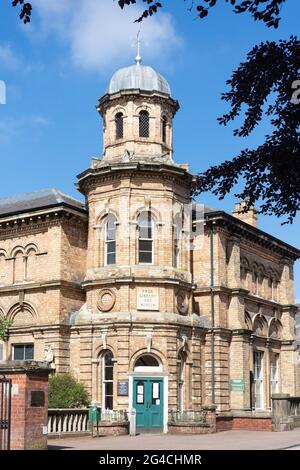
<point x="38" y="221"/>
<point x="59" y="283"/>
<point x="92" y="177"/>
<point x="241" y="229"/>
<point x="123" y="96"/>
<point x="91" y="283"/>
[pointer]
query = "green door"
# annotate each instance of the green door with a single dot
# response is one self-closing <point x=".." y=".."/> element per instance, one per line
<point x="148" y="397"/>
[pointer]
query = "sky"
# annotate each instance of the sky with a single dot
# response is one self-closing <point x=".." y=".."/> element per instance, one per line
<point x="57" y="67"/>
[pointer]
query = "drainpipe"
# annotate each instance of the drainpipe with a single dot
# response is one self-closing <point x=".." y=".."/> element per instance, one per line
<point x="212" y="306"/>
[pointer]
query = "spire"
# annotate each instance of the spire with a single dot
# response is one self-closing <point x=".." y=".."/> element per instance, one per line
<point x="138" y="58"/>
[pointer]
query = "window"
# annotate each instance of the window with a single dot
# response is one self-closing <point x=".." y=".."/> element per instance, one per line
<point x="255" y="284"/>
<point x="147" y="363"/>
<point x="107" y="380"/>
<point x="258" y="380"/>
<point x="110" y="240"/>
<point x="164" y="129"/>
<point x="181" y="381"/>
<point x="177" y="226"/>
<point x="145" y="226"/>
<point x="274" y="374"/>
<point x="144" y="124"/>
<point x="23" y="352"/>
<point x="119" y="126"/>
<point x="1" y="352"/>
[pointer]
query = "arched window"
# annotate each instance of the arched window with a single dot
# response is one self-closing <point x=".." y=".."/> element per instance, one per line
<point x="177" y="227"/>
<point x="19" y="267"/>
<point x="107" y="381"/>
<point x="145" y="227"/>
<point x="144" y="124"/>
<point x="147" y="363"/>
<point x="119" y="126"/>
<point x="164" y="129"/>
<point x="110" y="240"/>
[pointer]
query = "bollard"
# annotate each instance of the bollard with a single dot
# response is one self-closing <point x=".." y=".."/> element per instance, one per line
<point x="132" y="422"/>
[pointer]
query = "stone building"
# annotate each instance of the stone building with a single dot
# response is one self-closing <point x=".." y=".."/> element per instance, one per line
<point x="149" y="299"/>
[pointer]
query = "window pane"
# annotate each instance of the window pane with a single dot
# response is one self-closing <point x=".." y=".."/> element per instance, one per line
<point x="145" y="245"/>
<point x="144" y="124"/>
<point x="108" y="359"/>
<point x="29" y="352"/>
<point x="108" y="388"/>
<point x="119" y="126"/>
<point x="111" y="258"/>
<point x="19" y="352"/>
<point x="109" y="373"/>
<point x="111" y="247"/>
<point x="109" y="403"/>
<point x="145" y="257"/>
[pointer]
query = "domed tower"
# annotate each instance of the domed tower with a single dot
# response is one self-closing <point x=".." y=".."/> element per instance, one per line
<point x="137" y="111"/>
<point x="138" y="320"/>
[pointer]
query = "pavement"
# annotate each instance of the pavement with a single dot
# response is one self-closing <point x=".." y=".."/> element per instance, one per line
<point x="227" y="440"/>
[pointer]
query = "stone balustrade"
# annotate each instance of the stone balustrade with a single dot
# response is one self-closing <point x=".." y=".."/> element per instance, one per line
<point x="67" y="421"/>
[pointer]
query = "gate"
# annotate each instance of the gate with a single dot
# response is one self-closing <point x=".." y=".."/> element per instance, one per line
<point x="5" y="413"/>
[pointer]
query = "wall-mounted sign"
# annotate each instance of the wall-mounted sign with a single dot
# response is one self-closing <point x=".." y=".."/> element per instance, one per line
<point x="147" y="298"/>
<point x="237" y="385"/>
<point x="123" y="388"/>
<point x="37" y="398"/>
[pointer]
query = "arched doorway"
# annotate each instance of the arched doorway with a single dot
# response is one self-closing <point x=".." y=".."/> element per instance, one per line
<point x="148" y="390"/>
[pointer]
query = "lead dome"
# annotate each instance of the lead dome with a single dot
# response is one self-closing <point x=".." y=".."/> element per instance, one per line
<point x="140" y="77"/>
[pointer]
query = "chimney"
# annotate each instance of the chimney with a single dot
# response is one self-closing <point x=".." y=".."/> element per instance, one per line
<point x="249" y="216"/>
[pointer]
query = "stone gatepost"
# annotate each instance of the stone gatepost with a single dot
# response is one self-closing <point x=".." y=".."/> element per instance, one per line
<point x="29" y="403"/>
<point x="281" y="412"/>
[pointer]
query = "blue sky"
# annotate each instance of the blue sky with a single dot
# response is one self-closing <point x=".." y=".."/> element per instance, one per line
<point x="56" y="68"/>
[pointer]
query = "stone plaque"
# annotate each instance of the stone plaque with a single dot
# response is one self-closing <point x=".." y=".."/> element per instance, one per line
<point x="37" y="398"/>
<point x="147" y="298"/>
<point x="123" y="388"/>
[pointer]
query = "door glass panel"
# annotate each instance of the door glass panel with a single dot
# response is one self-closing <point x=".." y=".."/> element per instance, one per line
<point x="155" y="393"/>
<point x="140" y="395"/>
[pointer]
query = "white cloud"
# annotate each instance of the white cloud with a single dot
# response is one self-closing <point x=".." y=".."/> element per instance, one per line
<point x="7" y="57"/>
<point x="101" y="36"/>
<point x="13" y="127"/>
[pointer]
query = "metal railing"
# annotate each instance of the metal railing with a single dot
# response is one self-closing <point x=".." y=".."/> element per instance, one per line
<point x="67" y="421"/>
<point x="114" y="415"/>
<point x="187" y="417"/>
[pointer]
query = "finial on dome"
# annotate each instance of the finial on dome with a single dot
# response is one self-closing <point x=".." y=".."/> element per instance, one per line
<point x="138" y="58"/>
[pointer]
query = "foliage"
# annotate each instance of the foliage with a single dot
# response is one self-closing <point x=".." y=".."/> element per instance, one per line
<point x="267" y="11"/>
<point x="5" y="323"/>
<point x="272" y="171"/>
<point x="26" y="9"/>
<point x="66" y="392"/>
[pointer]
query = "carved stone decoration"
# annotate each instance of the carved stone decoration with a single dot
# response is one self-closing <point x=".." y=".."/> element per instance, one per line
<point x="106" y="301"/>
<point x="49" y="355"/>
<point x="182" y="303"/>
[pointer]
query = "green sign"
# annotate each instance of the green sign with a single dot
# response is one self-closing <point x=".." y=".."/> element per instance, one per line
<point x="237" y="385"/>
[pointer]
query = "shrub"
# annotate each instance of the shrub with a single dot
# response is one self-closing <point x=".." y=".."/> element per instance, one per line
<point x="66" y="392"/>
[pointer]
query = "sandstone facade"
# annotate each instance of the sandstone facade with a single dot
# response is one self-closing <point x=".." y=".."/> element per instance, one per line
<point x="141" y="272"/>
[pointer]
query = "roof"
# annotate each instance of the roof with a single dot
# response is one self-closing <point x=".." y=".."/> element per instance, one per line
<point x="139" y="77"/>
<point x="44" y="198"/>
